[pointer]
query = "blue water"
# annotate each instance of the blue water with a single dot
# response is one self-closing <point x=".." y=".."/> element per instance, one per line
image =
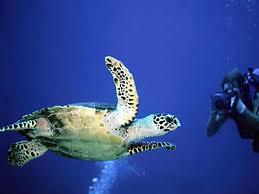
<point x="52" y="53"/>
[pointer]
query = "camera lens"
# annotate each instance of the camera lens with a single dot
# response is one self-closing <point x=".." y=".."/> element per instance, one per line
<point x="219" y="104"/>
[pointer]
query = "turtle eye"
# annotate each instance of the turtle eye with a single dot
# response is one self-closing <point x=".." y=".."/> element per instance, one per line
<point x="169" y="119"/>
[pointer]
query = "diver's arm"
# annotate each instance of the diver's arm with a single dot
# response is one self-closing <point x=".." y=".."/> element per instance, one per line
<point x="250" y="119"/>
<point x="246" y="117"/>
<point x="215" y="122"/>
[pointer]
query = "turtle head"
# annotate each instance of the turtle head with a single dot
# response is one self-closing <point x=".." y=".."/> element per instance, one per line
<point x="165" y="123"/>
<point x="153" y="125"/>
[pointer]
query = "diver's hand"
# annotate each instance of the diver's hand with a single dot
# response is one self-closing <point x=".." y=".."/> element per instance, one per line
<point x="241" y="107"/>
<point x="215" y="122"/>
<point x="236" y="104"/>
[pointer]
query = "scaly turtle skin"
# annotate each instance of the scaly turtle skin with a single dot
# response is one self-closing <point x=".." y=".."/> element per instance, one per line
<point x="92" y="131"/>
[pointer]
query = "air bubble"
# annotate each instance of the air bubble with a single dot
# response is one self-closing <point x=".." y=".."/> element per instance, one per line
<point x="95" y="180"/>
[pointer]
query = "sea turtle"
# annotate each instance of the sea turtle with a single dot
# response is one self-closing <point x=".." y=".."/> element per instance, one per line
<point x="92" y="131"/>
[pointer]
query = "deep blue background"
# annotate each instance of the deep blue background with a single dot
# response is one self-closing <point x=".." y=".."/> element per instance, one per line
<point x="52" y="53"/>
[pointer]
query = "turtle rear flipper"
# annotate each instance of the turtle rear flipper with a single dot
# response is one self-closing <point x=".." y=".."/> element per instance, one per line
<point x="145" y="146"/>
<point x="41" y="123"/>
<point x="22" y="152"/>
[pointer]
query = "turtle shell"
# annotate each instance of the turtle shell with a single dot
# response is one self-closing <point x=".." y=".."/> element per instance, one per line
<point x="79" y="132"/>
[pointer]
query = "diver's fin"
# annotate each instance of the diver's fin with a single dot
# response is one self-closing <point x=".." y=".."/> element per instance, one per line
<point x="144" y="146"/>
<point x="30" y="124"/>
<point x="22" y="152"/>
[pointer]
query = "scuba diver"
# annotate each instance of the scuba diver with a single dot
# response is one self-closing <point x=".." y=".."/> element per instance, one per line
<point x="239" y="101"/>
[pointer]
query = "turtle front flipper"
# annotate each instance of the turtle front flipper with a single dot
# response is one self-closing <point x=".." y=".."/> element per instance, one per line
<point x="22" y="152"/>
<point x="144" y="146"/>
<point x="127" y="106"/>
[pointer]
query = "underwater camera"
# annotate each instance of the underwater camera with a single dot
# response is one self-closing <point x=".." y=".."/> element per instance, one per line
<point x="220" y="102"/>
